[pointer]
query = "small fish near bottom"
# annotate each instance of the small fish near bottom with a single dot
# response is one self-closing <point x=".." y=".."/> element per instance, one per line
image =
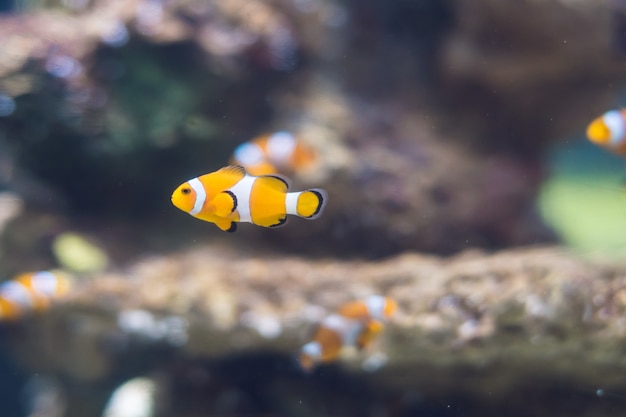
<point x="355" y="325"/>
<point x="31" y="292"/>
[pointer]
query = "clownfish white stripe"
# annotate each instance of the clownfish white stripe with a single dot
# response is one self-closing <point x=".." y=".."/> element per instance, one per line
<point x="614" y="121"/>
<point x="291" y="203"/>
<point x="352" y="332"/>
<point x="313" y="350"/>
<point x="335" y="322"/>
<point x="45" y="282"/>
<point x="16" y="293"/>
<point x="197" y="186"/>
<point x="242" y="190"/>
<point x="348" y="329"/>
<point x="376" y="306"/>
<point x="249" y="154"/>
<point x="280" y="146"/>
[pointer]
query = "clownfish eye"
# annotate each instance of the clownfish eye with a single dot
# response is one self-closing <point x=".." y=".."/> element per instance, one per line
<point x="186" y="190"/>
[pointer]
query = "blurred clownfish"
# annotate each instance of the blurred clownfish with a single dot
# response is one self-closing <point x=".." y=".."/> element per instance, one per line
<point x="231" y="195"/>
<point x="33" y="291"/>
<point x="609" y="131"/>
<point x="276" y="152"/>
<point x="356" y="324"/>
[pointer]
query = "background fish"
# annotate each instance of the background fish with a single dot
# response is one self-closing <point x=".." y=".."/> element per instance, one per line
<point x="356" y="324"/>
<point x="231" y="195"/>
<point x="32" y="291"/>
<point x="272" y="153"/>
<point x="373" y="308"/>
<point x="609" y="131"/>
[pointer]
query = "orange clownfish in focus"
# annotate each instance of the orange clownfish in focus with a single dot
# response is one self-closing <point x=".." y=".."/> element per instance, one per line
<point x="276" y="152"/>
<point x="33" y="291"/>
<point x="609" y="131"/>
<point x="356" y="324"/>
<point x="231" y="195"/>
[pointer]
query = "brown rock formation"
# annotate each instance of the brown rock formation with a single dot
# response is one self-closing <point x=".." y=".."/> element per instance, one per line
<point x="478" y="325"/>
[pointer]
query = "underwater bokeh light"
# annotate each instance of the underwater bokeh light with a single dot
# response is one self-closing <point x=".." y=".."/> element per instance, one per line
<point x="584" y="199"/>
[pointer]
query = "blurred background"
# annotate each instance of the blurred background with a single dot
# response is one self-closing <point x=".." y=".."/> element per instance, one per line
<point x="450" y="137"/>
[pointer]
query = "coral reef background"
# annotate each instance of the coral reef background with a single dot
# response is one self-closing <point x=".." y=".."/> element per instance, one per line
<point x="433" y="123"/>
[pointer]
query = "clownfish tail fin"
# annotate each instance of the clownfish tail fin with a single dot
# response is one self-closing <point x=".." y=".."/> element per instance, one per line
<point x="309" y="204"/>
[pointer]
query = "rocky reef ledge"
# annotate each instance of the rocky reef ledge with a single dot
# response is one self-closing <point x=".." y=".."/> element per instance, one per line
<point x="517" y="323"/>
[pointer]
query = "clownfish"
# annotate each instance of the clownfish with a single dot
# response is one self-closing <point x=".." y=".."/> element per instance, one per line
<point x="272" y="153"/>
<point x="356" y="324"/>
<point x="33" y="291"/>
<point x="231" y="195"/>
<point x="609" y="131"/>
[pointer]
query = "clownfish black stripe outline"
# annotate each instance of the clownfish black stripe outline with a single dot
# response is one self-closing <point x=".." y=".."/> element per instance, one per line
<point x="278" y="177"/>
<point x="320" y="197"/>
<point x="234" y="197"/>
<point x="280" y="222"/>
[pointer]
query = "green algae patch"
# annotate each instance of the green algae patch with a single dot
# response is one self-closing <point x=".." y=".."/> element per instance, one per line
<point x="75" y="253"/>
<point x="589" y="213"/>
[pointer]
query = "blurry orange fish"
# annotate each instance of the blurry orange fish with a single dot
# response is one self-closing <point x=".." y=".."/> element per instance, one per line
<point x="31" y="291"/>
<point x="374" y="308"/>
<point x="356" y="324"/>
<point x="276" y="152"/>
<point x="609" y="131"/>
<point x="231" y="195"/>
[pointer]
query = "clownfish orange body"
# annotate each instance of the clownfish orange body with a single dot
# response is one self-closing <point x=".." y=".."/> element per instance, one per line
<point x="356" y="324"/>
<point x="32" y="291"/>
<point x="272" y="153"/>
<point x="231" y="195"/>
<point x="609" y="131"/>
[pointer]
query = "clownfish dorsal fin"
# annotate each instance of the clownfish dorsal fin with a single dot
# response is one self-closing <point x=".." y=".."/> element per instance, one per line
<point x="236" y="171"/>
<point x="225" y="203"/>
<point x="276" y="182"/>
<point x="226" y="225"/>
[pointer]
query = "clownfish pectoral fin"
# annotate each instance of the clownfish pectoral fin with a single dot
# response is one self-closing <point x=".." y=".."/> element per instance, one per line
<point x="276" y="182"/>
<point x="226" y="225"/>
<point x="225" y="203"/>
